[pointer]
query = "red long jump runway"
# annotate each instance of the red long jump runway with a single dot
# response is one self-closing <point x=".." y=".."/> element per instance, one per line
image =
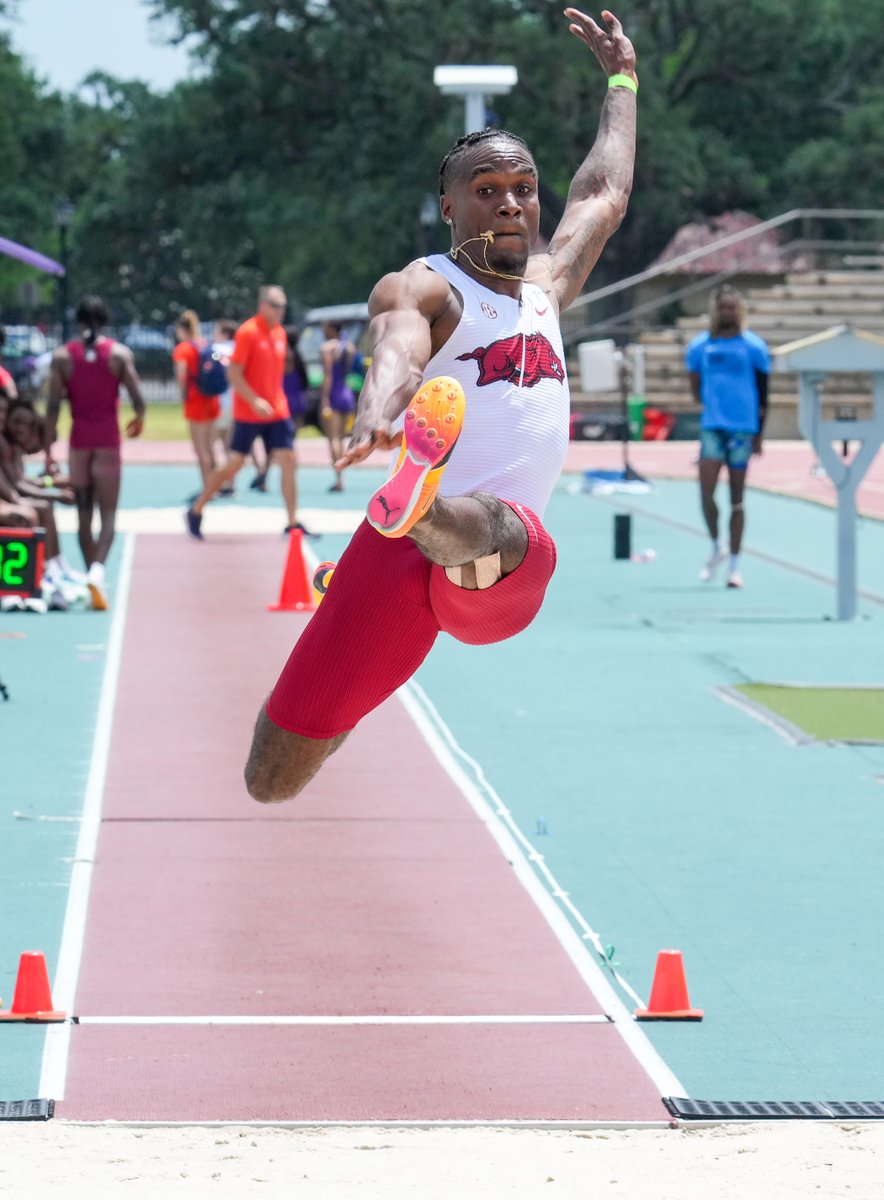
<point x="347" y="944"/>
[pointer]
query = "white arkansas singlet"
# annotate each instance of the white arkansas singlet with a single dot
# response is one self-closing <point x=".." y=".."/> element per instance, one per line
<point x="508" y="356"/>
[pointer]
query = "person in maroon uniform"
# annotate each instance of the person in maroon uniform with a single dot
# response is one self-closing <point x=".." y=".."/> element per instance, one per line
<point x="88" y="372"/>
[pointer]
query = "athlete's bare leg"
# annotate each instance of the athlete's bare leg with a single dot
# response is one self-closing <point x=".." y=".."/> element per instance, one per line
<point x="458" y="530"/>
<point x="282" y="763"/>
<point x="709" y="470"/>
<point x="106" y="492"/>
<point x="455" y="533"/>
<point x="202" y="435"/>
<point x="18" y="516"/>
<point x="218" y="478"/>
<point x="333" y="425"/>
<point x="85" y="513"/>
<point x="46" y="518"/>
<point x="737" y="483"/>
<point x="288" y="481"/>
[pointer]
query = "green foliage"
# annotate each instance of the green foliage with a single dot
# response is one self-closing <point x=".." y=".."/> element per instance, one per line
<point x="304" y="150"/>
<point x="29" y="146"/>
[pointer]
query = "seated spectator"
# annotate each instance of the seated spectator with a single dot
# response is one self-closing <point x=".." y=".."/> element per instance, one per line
<point x="22" y="435"/>
<point x="13" y="513"/>
<point x="8" y="390"/>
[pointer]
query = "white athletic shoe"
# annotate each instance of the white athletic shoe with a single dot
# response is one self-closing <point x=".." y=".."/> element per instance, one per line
<point x="710" y="567"/>
<point x="12" y="604"/>
<point x="55" y="600"/>
<point x="735" y="580"/>
<point x="70" y="576"/>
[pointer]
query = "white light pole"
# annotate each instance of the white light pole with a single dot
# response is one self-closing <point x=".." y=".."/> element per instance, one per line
<point x="64" y="215"/>
<point x="474" y="84"/>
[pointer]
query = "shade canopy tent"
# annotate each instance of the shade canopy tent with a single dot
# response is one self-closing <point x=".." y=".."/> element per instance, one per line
<point x="33" y="258"/>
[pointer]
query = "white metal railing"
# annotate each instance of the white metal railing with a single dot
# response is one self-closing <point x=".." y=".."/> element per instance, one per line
<point x="744" y="235"/>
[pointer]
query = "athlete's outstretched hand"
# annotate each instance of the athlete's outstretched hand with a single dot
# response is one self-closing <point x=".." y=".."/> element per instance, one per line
<point x="611" y="46"/>
<point x="368" y="436"/>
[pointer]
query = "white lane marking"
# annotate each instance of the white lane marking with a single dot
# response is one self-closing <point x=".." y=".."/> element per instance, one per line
<point x="368" y="1019"/>
<point x="55" y="1050"/>
<point x="230" y="518"/>
<point x="790" y="732"/>
<point x="493" y="813"/>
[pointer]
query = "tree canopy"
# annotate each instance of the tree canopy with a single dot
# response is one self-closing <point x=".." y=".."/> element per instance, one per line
<point x="303" y="150"/>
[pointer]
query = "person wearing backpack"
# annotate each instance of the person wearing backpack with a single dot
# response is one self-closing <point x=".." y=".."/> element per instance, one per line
<point x="197" y="380"/>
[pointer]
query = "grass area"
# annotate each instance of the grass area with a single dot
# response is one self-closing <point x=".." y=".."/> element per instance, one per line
<point x="165" y="423"/>
<point x="828" y="713"/>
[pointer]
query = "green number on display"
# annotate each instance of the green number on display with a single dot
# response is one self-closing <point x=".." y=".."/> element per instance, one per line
<point x="13" y="557"/>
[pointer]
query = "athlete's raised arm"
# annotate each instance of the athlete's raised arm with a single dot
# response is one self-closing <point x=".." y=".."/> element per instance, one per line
<point x="600" y="189"/>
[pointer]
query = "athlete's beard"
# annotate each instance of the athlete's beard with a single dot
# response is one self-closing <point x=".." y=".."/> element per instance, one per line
<point x="507" y="260"/>
<point x="517" y="263"/>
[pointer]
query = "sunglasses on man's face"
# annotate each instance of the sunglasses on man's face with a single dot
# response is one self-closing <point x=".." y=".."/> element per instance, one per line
<point x="275" y="303"/>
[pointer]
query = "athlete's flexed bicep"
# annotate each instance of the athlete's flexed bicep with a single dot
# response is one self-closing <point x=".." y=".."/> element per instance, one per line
<point x="403" y="308"/>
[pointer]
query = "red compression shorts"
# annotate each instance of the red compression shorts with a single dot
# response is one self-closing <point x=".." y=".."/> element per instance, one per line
<point x="383" y="610"/>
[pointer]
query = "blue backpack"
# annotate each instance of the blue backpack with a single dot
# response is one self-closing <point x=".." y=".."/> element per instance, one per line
<point x="211" y="372"/>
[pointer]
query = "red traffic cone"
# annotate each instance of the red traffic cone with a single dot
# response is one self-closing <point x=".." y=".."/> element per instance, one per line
<point x="33" y="999"/>
<point x="296" y="591"/>
<point x="669" y="994"/>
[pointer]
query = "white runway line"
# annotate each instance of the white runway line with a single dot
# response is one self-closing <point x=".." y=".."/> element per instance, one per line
<point x="368" y="1019"/>
<point x="227" y="518"/>
<point x="483" y="800"/>
<point x="55" y="1050"/>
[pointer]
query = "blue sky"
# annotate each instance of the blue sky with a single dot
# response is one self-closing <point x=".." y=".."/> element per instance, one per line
<point x="63" y="40"/>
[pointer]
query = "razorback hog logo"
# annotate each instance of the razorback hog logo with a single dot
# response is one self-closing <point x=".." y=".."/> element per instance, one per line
<point x="507" y="360"/>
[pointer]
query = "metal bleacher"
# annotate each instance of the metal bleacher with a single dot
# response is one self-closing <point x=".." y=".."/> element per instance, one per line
<point x="841" y="283"/>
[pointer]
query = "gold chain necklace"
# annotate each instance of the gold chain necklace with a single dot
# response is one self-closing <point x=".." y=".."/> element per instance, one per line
<point x="485" y="238"/>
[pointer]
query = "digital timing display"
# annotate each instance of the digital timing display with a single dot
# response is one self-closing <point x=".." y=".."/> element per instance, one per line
<point x="21" y="561"/>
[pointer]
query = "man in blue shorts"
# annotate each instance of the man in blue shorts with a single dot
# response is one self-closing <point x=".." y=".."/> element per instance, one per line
<point x="728" y="368"/>
<point x="260" y="406"/>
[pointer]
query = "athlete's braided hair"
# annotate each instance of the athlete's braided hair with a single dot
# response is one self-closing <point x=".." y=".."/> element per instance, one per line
<point x="451" y="160"/>
<point x="92" y="317"/>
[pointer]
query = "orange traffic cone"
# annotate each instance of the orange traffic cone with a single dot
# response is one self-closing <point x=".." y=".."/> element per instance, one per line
<point x="33" y="999"/>
<point x="296" y="592"/>
<point x="669" y="994"/>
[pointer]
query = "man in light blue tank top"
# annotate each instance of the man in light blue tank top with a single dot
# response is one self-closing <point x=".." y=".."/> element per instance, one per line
<point x="466" y="357"/>
<point x="728" y="369"/>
